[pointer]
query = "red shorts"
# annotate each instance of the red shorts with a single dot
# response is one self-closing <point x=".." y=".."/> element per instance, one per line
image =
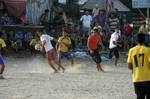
<point x="51" y="54"/>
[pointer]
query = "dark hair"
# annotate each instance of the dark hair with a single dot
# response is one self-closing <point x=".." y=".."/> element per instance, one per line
<point x="140" y="38"/>
<point x="47" y="10"/>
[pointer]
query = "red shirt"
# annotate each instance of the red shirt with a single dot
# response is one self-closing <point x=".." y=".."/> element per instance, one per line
<point x="128" y="30"/>
<point x="93" y="41"/>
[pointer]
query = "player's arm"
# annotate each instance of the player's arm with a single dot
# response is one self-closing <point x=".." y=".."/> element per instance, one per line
<point x="57" y="44"/>
<point x="43" y="44"/>
<point x="55" y="40"/>
<point x="101" y="43"/>
<point x="88" y="45"/>
<point x="130" y="64"/>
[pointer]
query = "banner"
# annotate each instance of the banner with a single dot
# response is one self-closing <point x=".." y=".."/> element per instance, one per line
<point x="16" y="8"/>
<point x="141" y="3"/>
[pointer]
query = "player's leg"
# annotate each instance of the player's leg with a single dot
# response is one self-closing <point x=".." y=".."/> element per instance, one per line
<point x="97" y="59"/>
<point x="50" y="58"/>
<point x="56" y="61"/>
<point x="139" y="90"/>
<point x="59" y="59"/>
<point x="111" y="53"/>
<point x="69" y="56"/>
<point x="147" y="89"/>
<point x="116" y="53"/>
<point x="50" y="62"/>
<point x="98" y="63"/>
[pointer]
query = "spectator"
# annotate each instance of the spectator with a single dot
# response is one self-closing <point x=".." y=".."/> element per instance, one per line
<point x="35" y="40"/>
<point x="143" y="28"/>
<point x="44" y="18"/>
<point x="17" y="46"/>
<point x="24" y="20"/>
<point x="127" y="30"/>
<point x="86" y="20"/>
<point x="27" y="38"/>
<point x="113" y="22"/>
<point x="19" y="35"/>
<point x="100" y="19"/>
<point x="5" y="19"/>
<point x="95" y="10"/>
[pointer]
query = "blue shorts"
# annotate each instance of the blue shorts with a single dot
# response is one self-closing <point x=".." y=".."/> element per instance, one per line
<point x="67" y="55"/>
<point x="1" y="60"/>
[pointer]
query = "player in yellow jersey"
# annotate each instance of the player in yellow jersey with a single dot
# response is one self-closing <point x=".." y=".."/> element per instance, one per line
<point x="139" y="63"/>
<point x="63" y="45"/>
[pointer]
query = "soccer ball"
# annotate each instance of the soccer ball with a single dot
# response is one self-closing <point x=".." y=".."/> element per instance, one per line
<point x="37" y="47"/>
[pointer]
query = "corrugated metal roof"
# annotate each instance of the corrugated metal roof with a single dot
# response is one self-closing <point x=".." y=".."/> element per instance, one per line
<point x="90" y="4"/>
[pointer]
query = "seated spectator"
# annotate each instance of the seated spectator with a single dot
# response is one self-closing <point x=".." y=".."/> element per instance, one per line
<point x="19" y="35"/>
<point x="27" y="38"/>
<point x="4" y="35"/>
<point x="5" y="38"/>
<point x="24" y="20"/>
<point x="4" y="20"/>
<point x="44" y="18"/>
<point x="11" y="38"/>
<point x="17" y="46"/>
<point x="35" y="40"/>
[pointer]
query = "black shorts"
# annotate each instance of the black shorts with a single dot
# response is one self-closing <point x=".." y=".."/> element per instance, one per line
<point x="96" y="56"/>
<point x="114" y="51"/>
<point x="142" y="89"/>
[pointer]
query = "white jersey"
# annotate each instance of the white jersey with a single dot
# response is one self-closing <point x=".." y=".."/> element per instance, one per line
<point x="114" y="37"/>
<point x="48" y="45"/>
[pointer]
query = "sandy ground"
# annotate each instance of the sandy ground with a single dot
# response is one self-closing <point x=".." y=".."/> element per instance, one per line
<point x="32" y="78"/>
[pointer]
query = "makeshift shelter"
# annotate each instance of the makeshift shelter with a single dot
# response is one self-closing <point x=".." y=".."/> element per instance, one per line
<point x="32" y="9"/>
<point x="35" y="8"/>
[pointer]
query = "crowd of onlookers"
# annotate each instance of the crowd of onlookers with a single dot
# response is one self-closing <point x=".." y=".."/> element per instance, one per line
<point x="5" y="19"/>
<point x="78" y="31"/>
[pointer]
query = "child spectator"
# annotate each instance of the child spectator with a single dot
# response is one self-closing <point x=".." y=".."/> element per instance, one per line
<point x="35" y="40"/>
<point x="17" y="46"/>
<point x="27" y="38"/>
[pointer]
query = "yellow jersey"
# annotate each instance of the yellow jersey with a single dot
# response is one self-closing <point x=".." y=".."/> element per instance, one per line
<point x="139" y="57"/>
<point x="143" y="29"/>
<point x="64" y="43"/>
<point x="33" y="42"/>
<point x="2" y="43"/>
